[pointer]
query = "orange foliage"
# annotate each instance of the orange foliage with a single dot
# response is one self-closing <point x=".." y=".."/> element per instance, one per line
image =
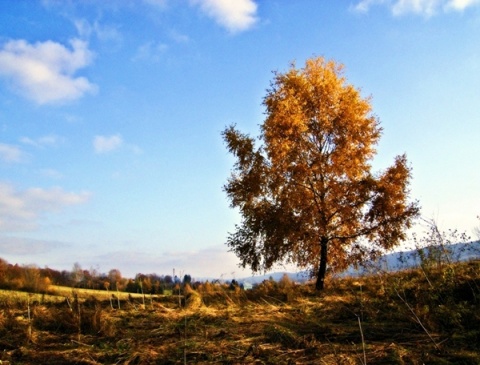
<point x="307" y="194"/>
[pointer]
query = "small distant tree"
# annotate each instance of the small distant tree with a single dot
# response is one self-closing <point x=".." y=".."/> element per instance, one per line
<point x="146" y="285"/>
<point x="115" y="277"/>
<point x="157" y="287"/>
<point x="131" y="286"/>
<point x="233" y="285"/>
<point x="285" y="282"/>
<point x="33" y="280"/>
<point x="65" y="278"/>
<point x="437" y="248"/>
<point x="187" y="279"/>
<point x="94" y="276"/>
<point x="4" y="274"/>
<point x="307" y="194"/>
<point x="77" y="274"/>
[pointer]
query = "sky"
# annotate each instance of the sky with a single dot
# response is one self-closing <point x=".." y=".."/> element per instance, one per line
<point x="111" y="115"/>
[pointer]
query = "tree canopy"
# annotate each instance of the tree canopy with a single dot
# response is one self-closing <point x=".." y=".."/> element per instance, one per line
<point x="307" y="194"/>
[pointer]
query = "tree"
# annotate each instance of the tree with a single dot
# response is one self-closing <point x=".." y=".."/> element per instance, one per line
<point x="4" y="273"/>
<point x="77" y="274"/>
<point x="307" y="194"/>
<point x="187" y="279"/>
<point x="115" y="277"/>
<point x="32" y="280"/>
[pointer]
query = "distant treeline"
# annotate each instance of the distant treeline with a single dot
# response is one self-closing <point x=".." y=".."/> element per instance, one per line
<point x="34" y="279"/>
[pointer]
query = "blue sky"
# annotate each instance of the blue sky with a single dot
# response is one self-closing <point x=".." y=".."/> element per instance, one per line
<point x="111" y="114"/>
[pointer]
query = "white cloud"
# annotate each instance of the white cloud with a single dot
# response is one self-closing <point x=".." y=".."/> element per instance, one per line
<point x="209" y="262"/>
<point x="51" y="173"/>
<point x="213" y="262"/>
<point x="236" y="16"/>
<point x="461" y="5"/>
<point x="45" y="71"/>
<point x="150" y="51"/>
<point x="179" y="37"/>
<point x="20" y="210"/>
<point x="426" y="7"/>
<point x="103" y="144"/>
<point x="10" y="154"/>
<point x="364" y="5"/>
<point x="104" y="33"/>
<point x="157" y="3"/>
<point x="421" y="7"/>
<point x="50" y="140"/>
<point x="26" y="246"/>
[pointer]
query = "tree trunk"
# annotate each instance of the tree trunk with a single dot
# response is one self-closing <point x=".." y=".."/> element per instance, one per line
<point x="323" y="264"/>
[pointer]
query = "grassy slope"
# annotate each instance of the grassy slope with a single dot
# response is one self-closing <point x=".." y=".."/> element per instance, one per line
<point x="414" y="317"/>
<point x="64" y="291"/>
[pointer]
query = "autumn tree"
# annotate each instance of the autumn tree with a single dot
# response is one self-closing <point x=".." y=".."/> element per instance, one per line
<point x="32" y="279"/>
<point x="115" y="278"/>
<point x="4" y="274"/>
<point x="307" y="194"/>
<point x="77" y="274"/>
<point x="187" y="279"/>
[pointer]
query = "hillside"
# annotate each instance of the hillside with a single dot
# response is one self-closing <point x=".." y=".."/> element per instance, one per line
<point x="428" y="316"/>
<point x="394" y="261"/>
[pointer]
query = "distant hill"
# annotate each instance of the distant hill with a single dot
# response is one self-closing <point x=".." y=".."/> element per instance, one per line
<point x="394" y="261"/>
<point x="407" y="259"/>
<point x="299" y="277"/>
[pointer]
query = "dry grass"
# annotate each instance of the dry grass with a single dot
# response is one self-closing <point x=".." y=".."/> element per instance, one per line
<point x="64" y="291"/>
<point x="281" y="325"/>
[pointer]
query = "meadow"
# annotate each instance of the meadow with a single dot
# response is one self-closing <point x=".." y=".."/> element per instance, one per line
<point x="429" y="315"/>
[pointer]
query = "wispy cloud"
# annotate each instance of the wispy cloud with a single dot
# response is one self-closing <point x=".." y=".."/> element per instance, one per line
<point x="212" y="262"/>
<point x="426" y="7"/>
<point x="26" y="246"/>
<point x="179" y="37"/>
<point x="45" y="71"/>
<point x="50" y="140"/>
<point x="21" y="210"/>
<point x="51" y="173"/>
<point x="150" y="51"/>
<point x="104" y="144"/>
<point x="10" y="153"/>
<point x="364" y="5"/>
<point x="421" y="7"/>
<point x="105" y="33"/>
<point x="235" y="16"/>
<point x="157" y="3"/>
<point x="461" y="4"/>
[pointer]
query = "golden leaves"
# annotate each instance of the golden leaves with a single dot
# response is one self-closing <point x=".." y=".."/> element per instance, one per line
<point x="311" y="179"/>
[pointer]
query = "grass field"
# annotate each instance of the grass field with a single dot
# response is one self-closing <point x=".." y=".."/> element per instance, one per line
<point x="99" y="294"/>
<point x="414" y="317"/>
